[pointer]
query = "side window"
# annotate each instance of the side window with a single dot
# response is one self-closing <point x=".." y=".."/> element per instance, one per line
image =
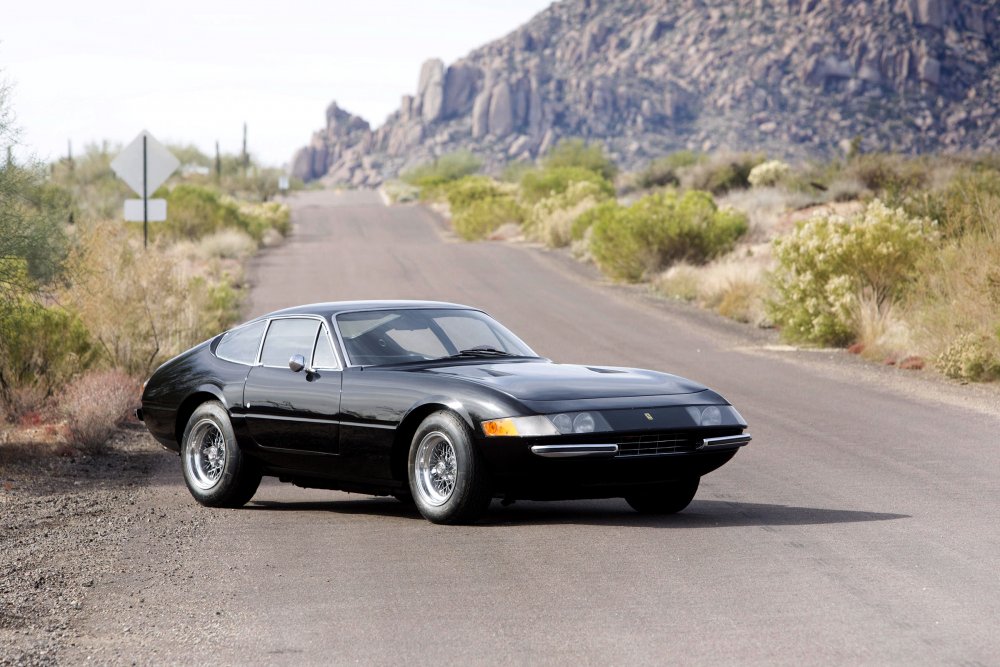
<point x="241" y="345"/>
<point x="324" y="356"/>
<point x="287" y="337"/>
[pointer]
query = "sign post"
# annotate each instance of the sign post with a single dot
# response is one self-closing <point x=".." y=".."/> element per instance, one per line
<point x="144" y="165"/>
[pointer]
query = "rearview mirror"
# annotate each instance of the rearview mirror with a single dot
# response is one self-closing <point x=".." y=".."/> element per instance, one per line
<point x="297" y="362"/>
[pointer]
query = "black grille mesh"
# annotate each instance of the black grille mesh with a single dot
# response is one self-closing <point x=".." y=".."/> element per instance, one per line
<point x="656" y="443"/>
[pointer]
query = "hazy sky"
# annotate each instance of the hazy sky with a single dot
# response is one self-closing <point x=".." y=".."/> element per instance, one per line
<point x="194" y="71"/>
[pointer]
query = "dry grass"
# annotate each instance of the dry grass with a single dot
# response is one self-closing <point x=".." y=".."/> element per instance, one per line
<point x="735" y="286"/>
<point x="95" y="405"/>
<point x="227" y="244"/>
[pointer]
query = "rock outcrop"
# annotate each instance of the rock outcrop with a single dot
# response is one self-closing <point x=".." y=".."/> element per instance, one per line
<point x="795" y="78"/>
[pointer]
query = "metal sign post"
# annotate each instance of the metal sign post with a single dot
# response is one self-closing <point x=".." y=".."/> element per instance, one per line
<point x="144" y="165"/>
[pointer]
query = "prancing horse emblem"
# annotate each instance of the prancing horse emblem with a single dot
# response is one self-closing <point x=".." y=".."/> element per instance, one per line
<point x="648" y="416"/>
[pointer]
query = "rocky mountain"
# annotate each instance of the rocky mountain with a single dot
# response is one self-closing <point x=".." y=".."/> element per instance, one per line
<point x="795" y="78"/>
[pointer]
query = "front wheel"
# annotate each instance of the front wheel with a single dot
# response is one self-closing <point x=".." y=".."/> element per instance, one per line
<point x="448" y="479"/>
<point x="667" y="499"/>
<point x="215" y="470"/>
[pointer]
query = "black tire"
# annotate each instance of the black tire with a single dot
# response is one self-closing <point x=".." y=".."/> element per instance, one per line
<point x="667" y="499"/>
<point x="442" y="449"/>
<point x="230" y="482"/>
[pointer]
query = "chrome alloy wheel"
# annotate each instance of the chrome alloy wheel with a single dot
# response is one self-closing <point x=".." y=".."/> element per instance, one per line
<point x="435" y="469"/>
<point x="205" y="455"/>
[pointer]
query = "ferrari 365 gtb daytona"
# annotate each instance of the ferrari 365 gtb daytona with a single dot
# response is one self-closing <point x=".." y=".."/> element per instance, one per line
<point x="434" y="402"/>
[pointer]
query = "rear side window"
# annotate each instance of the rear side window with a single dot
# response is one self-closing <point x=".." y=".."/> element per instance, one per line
<point x="241" y="345"/>
<point x="287" y="337"/>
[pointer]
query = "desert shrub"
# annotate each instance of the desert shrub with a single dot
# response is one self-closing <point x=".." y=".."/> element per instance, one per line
<point x="465" y="191"/>
<point x="551" y="220"/>
<point x="585" y="221"/>
<point x="227" y="244"/>
<point x="664" y="171"/>
<point x="971" y="357"/>
<point x="888" y="175"/>
<point x="721" y="173"/>
<point x="768" y="174"/>
<point x="968" y="203"/>
<point x="576" y="153"/>
<point x="95" y="405"/>
<point x="41" y="347"/>
<point x="195" y="211"/>
<point x="142" y="306"/>
<point x="482" y="217"/>
<point x="444" y="169"/>
<point x="256" y="218"/>
<point x="539" y="184"/>
<point x="660" y="229"/>
<point x="734" y="286"/>
<point x="398" y="192"/>
<point x="828" y="262"/>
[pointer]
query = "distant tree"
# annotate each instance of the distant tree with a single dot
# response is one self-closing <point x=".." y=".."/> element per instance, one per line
<point x="33" y="240"/>
<point x="578" y="153"/>
<point x="447" y="168"/>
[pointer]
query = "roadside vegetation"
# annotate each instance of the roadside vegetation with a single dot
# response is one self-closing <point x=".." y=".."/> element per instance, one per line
<point x="86" y="312"/>
<point x="895" y="258"/>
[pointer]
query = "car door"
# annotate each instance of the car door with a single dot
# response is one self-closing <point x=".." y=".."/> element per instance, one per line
<point x="296" y="412"/>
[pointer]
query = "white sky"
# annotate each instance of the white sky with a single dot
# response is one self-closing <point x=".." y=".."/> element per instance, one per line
<point x="192" y="72"/>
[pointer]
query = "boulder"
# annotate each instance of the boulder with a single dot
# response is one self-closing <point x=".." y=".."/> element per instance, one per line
<point x="430" y="90"/>
<point x="459" y="90"/>
<point x="501" y="121"/>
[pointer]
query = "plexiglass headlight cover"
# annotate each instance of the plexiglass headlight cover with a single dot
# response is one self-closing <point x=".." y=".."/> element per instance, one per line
<point x="715" y="415"/>
<point x="563" y="423"/>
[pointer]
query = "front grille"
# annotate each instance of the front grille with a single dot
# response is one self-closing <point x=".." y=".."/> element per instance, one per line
<point x="656" y="443"/>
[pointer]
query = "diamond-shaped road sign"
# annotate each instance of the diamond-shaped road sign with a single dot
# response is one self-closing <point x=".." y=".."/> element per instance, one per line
<point x="159" y="164"/>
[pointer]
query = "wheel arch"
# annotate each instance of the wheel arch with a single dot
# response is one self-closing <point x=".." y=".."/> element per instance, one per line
<point x="202" y="394"/>
<point x="408" y="426"/>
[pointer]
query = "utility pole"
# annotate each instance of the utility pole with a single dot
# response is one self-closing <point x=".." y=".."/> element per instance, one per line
<point x="218" y="162"/>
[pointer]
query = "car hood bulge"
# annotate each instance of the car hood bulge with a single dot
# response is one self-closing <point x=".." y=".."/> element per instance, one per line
<point x="546" y="381"/>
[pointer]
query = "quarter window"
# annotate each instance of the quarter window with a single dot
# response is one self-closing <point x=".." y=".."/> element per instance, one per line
<point x="241" y="345"/>
<point x="324" y="357"/>
<point x="288" y="337"/>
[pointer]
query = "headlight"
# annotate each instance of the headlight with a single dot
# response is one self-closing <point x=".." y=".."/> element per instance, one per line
<point x="564" y="423"/>
<point x="715" y="415"/>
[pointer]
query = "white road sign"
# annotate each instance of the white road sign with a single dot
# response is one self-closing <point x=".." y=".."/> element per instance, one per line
<point x="159" y="164"/>
<point x="156" y="210"/>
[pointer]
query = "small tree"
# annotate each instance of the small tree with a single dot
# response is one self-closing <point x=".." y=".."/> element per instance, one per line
<point x="578" y="153"/>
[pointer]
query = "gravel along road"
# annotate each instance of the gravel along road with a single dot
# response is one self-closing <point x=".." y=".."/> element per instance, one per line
<point x="860" y="526"/>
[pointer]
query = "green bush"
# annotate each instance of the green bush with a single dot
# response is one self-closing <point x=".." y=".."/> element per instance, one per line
<point x="195" y="211"/>
<point x="578" y="153"/>
<point x="539" y="184"/>
<point x="665" y="170"/>
<point x="482" y="217"/>
<point x="479" y="205"/>
<point x="587" y="219"/>
<point x="661" y="229"/>
<point x="971" y="357"/>
<point x="444" y="169"/>
<point x="828" y="262"/>
<point x="551" y="220"/>
<point x="768" y="174"/>
<point x="721" y="173"/>
<point x="41" y="347"/>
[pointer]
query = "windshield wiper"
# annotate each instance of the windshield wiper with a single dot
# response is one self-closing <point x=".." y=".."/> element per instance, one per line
<point x="481" y="352"/>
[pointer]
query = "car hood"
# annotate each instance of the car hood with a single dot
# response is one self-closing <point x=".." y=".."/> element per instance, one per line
<point x="546" y="381"/>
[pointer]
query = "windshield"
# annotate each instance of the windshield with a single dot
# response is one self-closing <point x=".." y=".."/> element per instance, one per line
<point x="381" y="337"/>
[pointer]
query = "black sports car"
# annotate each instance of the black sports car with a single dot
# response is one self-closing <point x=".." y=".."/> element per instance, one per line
<point x="431" y="402"/>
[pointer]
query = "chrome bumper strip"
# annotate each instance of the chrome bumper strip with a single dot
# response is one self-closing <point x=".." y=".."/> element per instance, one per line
<point x="566" y="451"/>
<point x="725" y="442"/>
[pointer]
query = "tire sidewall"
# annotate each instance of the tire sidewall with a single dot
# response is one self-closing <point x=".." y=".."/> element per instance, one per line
<point x="219" y="493"/>
<point x="467" y="463"/>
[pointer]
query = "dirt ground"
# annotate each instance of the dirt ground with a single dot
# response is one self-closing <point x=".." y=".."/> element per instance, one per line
<point x="64" y="515"/>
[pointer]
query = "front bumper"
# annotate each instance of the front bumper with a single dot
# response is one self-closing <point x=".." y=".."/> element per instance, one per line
<point x="566" y="468"/>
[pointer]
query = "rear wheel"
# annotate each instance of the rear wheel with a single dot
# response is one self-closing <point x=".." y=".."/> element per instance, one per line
<point x="666" y="499"/>
<point x="215" y="470"/>
<point x="448" y="479"/>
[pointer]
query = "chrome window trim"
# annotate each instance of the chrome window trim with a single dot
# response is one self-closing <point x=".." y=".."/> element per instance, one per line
<point x="347" y="355"/>
<point x="322" y="320"/>
<point x="259" y="343"/>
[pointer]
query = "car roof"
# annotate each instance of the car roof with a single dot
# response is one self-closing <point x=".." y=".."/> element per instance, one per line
<point x="333" y="308"/>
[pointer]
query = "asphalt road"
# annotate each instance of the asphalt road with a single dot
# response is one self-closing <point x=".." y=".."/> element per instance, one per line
<point x="860" y="527"/>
